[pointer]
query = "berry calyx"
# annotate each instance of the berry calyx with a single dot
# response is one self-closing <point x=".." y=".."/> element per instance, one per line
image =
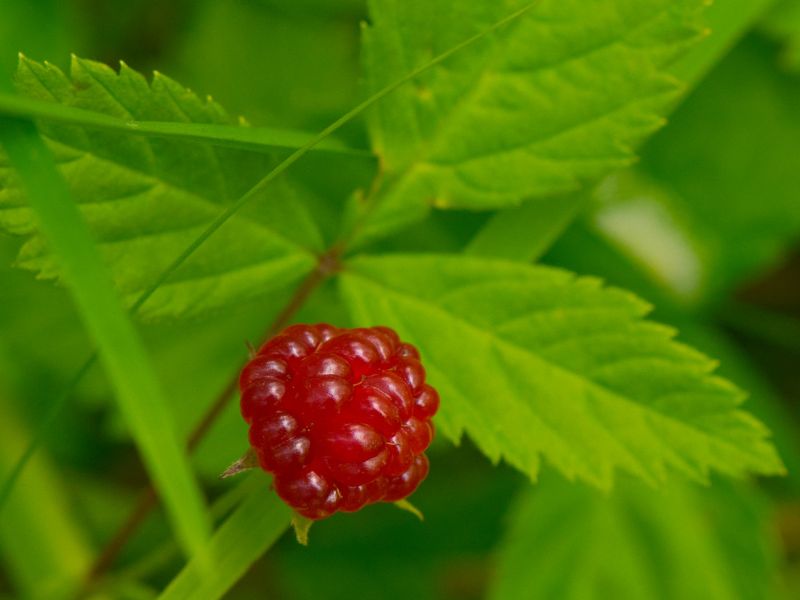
<point x="340" y="417"/>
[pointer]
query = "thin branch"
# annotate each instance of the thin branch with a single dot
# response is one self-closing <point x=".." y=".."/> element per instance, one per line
<point x="328" y="264"/>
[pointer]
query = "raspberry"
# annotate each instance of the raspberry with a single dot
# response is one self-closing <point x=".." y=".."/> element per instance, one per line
<point x="340" y="417"/>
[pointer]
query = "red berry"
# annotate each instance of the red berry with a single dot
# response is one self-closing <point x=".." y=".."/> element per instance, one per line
<point x="412" y="372"/>
<point x="302" y="489"/>
<point x="426" y="403"/>
<point x="261" y="367"/>
<point x="321" y="397"/>
<point x="403" y="485"/>
<point x="262" y="397"/>
<point x="400" y="454"/>
<point x="374" y="408"/>
<point x="353" y="442"/>
<point x="394" y="388"/>
<point x="340" y="417"/>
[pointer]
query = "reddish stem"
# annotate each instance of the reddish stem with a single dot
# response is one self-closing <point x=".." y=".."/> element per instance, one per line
<point x="328" y="264"/>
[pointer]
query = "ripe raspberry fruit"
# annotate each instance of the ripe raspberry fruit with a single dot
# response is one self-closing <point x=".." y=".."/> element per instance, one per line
<point x="340" y="417"/>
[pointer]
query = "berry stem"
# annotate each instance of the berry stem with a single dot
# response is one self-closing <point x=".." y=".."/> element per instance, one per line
<point x="327" y="265"/>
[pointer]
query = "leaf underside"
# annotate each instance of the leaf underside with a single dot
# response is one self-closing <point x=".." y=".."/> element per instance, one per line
<point x="533" y="362"/>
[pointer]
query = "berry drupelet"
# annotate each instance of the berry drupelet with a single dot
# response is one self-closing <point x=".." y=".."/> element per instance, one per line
<point x="340" y="417"/>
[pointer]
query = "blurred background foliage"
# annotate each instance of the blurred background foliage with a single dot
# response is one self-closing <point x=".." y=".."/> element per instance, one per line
<point x="705" y="226"/>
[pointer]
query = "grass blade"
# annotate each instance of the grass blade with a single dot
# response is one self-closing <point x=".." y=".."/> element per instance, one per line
<point x="259" y="139"/>
<point x="250" y="530"/>
<point x="119" y="346"/>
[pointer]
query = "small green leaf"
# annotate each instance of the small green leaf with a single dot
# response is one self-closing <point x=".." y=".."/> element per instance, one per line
<point x="533" y="362"/>
<point x="147" y="199"/>
<point x="121" y="350"/>
<point x="677" y="543"/>
<point x="557" y="98"/>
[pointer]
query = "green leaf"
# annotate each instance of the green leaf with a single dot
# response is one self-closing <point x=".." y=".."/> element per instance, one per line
<point x="138" y="391"/>
<point x="555" y="99"/>
<point x="250" y="530"/>
<point x="260" y="139"/>
<point x="147" y="199"/>
<point x="726" y="22"/>
<point x="532" y="362"/>
<point x="523" y="233"/>
<point x="738" y="204"/>
<point x="677" y="543"/>
<point x="589" y="251"/>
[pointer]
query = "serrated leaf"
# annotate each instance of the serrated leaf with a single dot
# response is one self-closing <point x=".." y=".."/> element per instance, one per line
<point x="678" y="543"/>
<point x="147" y="199"/>
<point x="557" y="97"/>
<point x="533" y="362"/>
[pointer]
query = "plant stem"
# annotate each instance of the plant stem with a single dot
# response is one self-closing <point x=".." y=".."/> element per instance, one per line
<point x="327" y="265"/>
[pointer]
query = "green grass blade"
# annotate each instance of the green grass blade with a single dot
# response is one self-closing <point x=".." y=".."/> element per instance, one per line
<point x="260" y="139"/>
<point x="250" y="530"/>
<point x="119" y="346"/>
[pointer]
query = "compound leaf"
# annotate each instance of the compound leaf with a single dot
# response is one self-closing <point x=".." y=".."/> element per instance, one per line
<point x="532" y="361"/>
